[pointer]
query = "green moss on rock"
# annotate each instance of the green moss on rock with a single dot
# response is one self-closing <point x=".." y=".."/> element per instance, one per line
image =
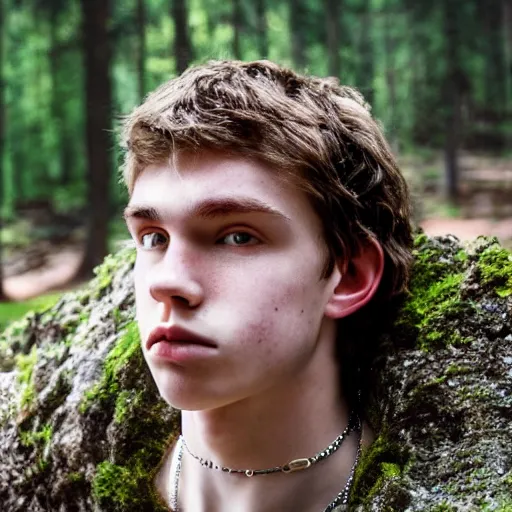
<point x="435" y="295"/>
<point x="25" y="365"/>
<point x="127" y="347"/>
<point x="495" y="265"/>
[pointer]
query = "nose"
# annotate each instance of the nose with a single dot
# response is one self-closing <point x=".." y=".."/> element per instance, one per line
<point x="173" y="282"/>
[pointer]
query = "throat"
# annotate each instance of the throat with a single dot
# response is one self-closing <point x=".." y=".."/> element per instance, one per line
<point x="316" y="483"/>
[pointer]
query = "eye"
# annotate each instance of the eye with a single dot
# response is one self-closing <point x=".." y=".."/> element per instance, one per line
<point x="239" y="238"/>
<point x="151" y="240"/>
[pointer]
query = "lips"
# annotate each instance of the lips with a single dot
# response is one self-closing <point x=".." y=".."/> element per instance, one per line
<point x="176" y="334"/>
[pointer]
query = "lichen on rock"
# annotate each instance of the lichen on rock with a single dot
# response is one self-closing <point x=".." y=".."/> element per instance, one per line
<point x="77" y="401"/>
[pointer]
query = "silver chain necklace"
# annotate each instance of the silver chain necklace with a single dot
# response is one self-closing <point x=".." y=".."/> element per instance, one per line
<point x="294" y="465"/>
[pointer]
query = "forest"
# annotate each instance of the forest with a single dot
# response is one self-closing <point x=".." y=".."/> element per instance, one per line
<point x="437" y="73"/>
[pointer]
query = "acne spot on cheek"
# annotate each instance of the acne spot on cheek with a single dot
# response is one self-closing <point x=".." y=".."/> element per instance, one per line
<point x="276" y="309"/>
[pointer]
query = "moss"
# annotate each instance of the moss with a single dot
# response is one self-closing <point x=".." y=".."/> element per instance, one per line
<point x="129" y="486"/>
<point x="444" y="507"/>
<point x="495" y="266"/>
<point x="126" y="400"/>
<point x="127" y="346"/>
<point x="429" y="305"/>
<point x="379" y="463"/>
<point x="108" y="269"/>
<point x="25" y="365"/>
<point x="76" y="476"/>
<point x="455" y="369"/>
<point x="37" y="438"/>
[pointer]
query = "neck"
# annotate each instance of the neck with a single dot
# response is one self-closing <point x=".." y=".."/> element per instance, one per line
<point x="296" y="419"/>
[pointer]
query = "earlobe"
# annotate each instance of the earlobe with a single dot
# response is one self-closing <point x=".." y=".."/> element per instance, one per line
<point x="358" y="284"/>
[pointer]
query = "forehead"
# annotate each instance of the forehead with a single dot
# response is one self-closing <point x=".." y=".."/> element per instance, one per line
<point x="193" y="179"/>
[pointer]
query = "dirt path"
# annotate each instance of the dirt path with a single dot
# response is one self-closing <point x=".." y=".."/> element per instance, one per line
<point x="468" y="229"/>
<point x="56" y="275"/>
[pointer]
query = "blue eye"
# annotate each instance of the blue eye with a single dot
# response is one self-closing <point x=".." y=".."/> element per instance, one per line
<point x="150" y="240"/>
<point x="239" y="238"/>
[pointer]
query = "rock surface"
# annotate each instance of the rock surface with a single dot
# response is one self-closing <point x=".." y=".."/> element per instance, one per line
<point x="77" y="402"/>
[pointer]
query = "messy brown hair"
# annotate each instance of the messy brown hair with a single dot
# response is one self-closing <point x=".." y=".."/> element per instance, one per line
<point x="312" y="131"/>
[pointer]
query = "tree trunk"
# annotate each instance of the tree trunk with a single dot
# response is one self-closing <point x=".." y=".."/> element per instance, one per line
<point x="507" y="34"/>
<point x="367" y="72"/>
<point x="182" y="47"/>
<point x="261" y="28"/>
<point x="332" y="15"/>
<point x="298" y="32"/>
<point x="141" y="49"/>
<point x="390" y="44"/>
<point x="98" y="105"/>
<point x="65" y="148"/>
<point x="2" y="139"/>
<point x="237" y="22"/>
<point x="452" y="93"/>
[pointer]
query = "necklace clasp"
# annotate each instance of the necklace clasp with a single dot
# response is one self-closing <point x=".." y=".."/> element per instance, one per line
<point x="296" y="465"/>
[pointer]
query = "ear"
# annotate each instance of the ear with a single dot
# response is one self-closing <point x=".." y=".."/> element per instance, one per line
<point x="356" y="281"/>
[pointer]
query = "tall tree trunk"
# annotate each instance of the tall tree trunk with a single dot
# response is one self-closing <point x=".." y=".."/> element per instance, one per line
<point x="298" y="32"/>
<point x="98" y="115"/>
<point x="261" y="28"/>
<point x="237" y="22"/>
<point x="495" y="58"/>
<point x="333" y="8"/>
<point x="452" y="94"/>
<point x="390" y="44"/>
<point x="507" y="34"/>
<point x="367" y="72"/>
<point x="2" y="139"/>
<point x="141" y="48"/>
<point x="182" y="46"/>
<point x="65" y="148"/>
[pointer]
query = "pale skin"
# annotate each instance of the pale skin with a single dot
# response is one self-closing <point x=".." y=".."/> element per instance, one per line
<point x="228" y="251"/>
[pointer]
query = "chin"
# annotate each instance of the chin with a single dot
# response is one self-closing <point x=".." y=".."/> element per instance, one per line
<point x="186" y="395"/>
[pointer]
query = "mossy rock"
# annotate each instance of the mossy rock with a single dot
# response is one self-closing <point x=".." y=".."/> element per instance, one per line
<point x="77" y="401"/>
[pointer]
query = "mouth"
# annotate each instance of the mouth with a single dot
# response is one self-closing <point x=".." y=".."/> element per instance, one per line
<point x="176" y="334"/>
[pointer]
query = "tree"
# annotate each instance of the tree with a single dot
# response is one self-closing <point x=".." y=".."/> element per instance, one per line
<point x="183" y="51"/>
<point x="2" y="139"/>
<point x="261" y="28"/>
<point x="452" y="94"/>
<point x="298" y="33"/>
<point x="237" y="21"/>
<point x="98" y="107"/>
<point x="332" y="22"/>
<point x="141" y="48"/>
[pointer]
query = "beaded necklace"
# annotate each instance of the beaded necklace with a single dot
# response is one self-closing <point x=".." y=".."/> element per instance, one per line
<point x="292" y="466"/>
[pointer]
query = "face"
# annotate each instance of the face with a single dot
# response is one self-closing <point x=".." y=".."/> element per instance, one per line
<point x="231" y="254"/>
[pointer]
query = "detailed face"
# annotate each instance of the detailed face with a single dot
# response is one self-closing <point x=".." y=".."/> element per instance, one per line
<point x="229" y="295"/>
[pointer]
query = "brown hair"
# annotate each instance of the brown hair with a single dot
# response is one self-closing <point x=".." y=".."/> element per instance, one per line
<point x="314" y="131"/>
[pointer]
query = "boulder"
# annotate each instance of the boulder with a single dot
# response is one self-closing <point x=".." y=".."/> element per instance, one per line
<point x="82" y="427"/>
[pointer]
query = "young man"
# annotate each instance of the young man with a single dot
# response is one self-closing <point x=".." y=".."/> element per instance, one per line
<point x="266" y="207"/>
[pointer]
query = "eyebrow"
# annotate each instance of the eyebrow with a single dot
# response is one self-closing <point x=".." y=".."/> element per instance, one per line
<point x="209" y="209"/>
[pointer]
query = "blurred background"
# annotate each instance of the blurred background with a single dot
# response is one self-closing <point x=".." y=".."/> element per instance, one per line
<point x="438" y="74"/>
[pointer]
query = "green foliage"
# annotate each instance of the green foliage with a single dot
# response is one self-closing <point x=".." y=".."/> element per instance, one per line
<point x="435" y="294"/>
<point x="38" y="438"/>
<point x="128" y="346"/>
<point x="10" y="311"/>
<point x="25" y="365"/>
<point x="495" y="265"/>
<point x="379" y="462"/>
<point x="127" y="487"/>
